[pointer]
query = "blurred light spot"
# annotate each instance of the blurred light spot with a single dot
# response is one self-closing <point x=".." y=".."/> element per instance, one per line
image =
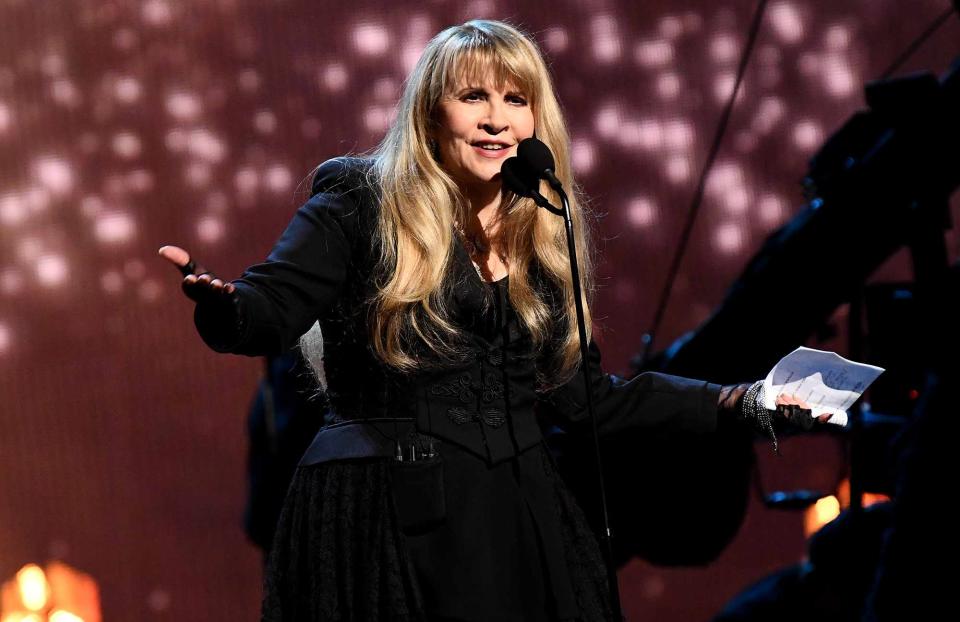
<point x="768" y="55"/>
<point x="724" y="177"/>
<point x="198" y="174"/>
<point x="371" y="39"/>
<point x="210" y="229"/>
<point x="678" y="134"/>
<point x="37" y="199"/>
<point x="51" y="270"/>
<point x="556" y="39"/>
<point x="64" y="92"/>
<point x="724" y="48"/>
<point x="641" y="212"/>
<point x="723" y="85"/>
<point x="140" y="180"/>
<point x="745" y="142"/>
<point x="807" y="135"/>
<point x="608" y="121"/>
<point x="838" y="79"/>
<point x="134" y="269"/>
<point x="334" y="77"/>
<point x="60" y="615"/>
<point x="678" y="169"/>
<point x="11" y="281"/>
<point x="111" y="282"/>
<point x="769" y="112"/>
<point x="6" y="118"/>
<point x="53" y="65"/>
<point x="55" y="174"/>
<point x="114" y="227"/>
<point x="625" y="290"/>
<point x="769" y="77"/>
<point x="809" y="63"/>
<point x="126" y="145"/>
<point x="582" y="155"/>
<point x="265" y="122"/>
<point x="183" y="105"/>
<point x="156" y="13"/>
<point x="692" y="22"/>
<point x="409" y="55"/>
<point x="277" y="178"/>
<point x="837" y="37"/>
<point x="310" y="128"/>
<point x="655" y="53"/>
<point x="246" y="181"/>
<point x="652" y="587"/>
<point x="12" y="209"/>
<point x="150" y="290"/>
<point x="205" y="145"/>
<point x="91" y="205"/>
<point x="385" y="89"/>
<point x="5" y="338"/>
<point x="248" y="80"/>
<point x="670" y="26"/>
<point x="217" y="202"/>
<point x="125" y="39"/>
<point x="606" y="39"/>
<point x="158" y="600"/>
<point x="736" y="201"/>
<point x="89" y="143"/>
<point x="649" y="133"/>
<point x="771" y="209"/>
<point x="668" y="85"/>
<point x="127" y="90"/>
<point x="728" y="238"/>
<point x="176" y="140"/>
<point x="786" y="21"/>
<point x="376" y="118"/>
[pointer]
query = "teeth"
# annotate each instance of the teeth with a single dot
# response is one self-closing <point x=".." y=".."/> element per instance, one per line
<point x="492" y="147"/>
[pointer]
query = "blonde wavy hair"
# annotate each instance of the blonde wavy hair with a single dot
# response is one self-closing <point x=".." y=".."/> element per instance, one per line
<point x="422" y="208"/>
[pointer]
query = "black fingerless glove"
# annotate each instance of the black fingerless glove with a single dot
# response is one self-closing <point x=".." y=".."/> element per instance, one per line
<point x="746" y="404"/>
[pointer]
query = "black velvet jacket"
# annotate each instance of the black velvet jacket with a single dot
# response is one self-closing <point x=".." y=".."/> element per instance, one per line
<point x="488" y="403"/>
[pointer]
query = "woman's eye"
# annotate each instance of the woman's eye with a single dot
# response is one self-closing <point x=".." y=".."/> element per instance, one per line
<point x="474" y="96"/>
<point x="517" y="99"/>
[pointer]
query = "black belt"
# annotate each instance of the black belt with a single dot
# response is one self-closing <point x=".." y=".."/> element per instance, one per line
<point x="380" y="437"/>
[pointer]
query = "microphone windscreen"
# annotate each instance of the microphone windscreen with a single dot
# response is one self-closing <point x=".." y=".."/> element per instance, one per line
<point x="518" y="178"/>
<point x="535" y="155"/>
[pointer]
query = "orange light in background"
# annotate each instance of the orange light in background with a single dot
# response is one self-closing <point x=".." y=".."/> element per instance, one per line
<point x="33" y="587"/>
<point x="57" y="594"/>
<point x="828" y="508"/>
<point x="819" y="514"/>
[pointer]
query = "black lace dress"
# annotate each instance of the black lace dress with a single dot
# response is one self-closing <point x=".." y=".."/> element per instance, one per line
<point x="479" y="527"/>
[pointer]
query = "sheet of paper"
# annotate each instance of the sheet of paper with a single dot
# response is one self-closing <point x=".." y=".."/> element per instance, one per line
<point x="826" y="381"/>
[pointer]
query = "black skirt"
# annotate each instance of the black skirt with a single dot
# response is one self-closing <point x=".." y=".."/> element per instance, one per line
<point x="513" y="546"/>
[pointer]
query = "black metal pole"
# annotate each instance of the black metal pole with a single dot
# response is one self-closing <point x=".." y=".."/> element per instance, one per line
<point x="585" y="368"/>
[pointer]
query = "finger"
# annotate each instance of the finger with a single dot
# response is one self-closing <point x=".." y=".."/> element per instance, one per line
<point x="204" y="279"/>
<point x="824" y="418"/>
<point x="229" y="288"/>
<point x="216" y="284"/>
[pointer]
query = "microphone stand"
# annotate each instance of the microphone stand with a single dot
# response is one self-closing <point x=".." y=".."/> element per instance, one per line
<point x="542" y="201"/>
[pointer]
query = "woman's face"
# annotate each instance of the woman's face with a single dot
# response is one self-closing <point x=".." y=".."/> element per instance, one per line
<point x="479" y="128"/>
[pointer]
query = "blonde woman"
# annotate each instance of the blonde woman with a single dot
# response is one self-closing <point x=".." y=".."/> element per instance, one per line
<point x="445" y="307"/>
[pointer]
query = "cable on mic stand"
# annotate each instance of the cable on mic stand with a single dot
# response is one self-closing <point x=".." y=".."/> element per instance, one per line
<point x="522" y="175"/>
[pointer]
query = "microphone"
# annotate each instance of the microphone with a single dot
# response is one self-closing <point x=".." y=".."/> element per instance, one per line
<point x="537" y="157"/>
<point x="524" y="182"/>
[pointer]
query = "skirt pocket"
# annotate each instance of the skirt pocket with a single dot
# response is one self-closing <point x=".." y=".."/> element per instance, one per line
<point x="419" y="494"/>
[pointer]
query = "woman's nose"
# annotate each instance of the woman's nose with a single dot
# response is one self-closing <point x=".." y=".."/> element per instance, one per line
<point x="495" y="121"/>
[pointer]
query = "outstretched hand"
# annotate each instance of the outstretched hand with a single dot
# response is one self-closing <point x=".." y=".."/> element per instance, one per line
<point x="198" y="284"/>
<point x="798" y="413"/>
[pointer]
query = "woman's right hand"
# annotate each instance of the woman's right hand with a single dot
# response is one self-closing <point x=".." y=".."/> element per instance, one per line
<point x="198" y="284"/>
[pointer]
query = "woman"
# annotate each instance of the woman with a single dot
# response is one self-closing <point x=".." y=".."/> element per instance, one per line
<point x="449" y="336"/>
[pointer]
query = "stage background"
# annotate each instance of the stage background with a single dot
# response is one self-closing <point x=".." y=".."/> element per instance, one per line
<point x="126" y="125"/>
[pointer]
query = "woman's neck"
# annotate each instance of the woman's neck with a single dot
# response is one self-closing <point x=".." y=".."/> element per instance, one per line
<point x="483" y="206"/>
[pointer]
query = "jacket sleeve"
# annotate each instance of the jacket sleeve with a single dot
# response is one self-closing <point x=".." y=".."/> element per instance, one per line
<point x="278" y="300"/>
<point x="651" y="400"/>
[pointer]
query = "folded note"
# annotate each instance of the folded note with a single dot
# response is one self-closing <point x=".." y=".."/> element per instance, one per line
<point x="826" y="381"/>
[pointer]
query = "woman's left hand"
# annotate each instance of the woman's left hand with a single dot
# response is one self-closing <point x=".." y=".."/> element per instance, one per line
<point x="797" y="412"/>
